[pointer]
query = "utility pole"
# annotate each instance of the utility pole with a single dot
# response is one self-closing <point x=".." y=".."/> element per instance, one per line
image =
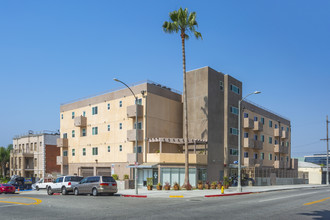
<point x="327" y="139"/>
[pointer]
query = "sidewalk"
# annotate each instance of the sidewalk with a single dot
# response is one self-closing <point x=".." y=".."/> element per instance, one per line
<point x="144" y="193"/>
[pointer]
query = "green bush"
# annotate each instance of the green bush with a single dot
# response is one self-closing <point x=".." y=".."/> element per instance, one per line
<point x="126" y="177"/>
<point x="115" y="176"/>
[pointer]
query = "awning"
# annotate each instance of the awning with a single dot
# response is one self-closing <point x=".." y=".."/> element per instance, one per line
<point x="236" y="166"/>
<point x="144" y="165"/>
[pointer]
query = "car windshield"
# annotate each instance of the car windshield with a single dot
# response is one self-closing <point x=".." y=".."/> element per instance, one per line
<point x="108" y="179"/>
<point x="73" y="178"/>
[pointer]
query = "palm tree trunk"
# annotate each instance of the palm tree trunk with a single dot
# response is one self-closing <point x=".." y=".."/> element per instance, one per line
<point x="185" y="113"/>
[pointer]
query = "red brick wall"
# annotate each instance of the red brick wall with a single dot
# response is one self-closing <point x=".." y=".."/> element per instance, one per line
<point x="51" y="152"/>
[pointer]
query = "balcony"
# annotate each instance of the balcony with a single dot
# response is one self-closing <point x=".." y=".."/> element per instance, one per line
<point x="258" y="126"/>
<point x="131" y="158"/>
<point x="250" y="162"/>
<point x="80" y="121"/>
<point x="258" y="145"/>
<point x="62" y="142"/>
<point x="176" y="158"/>
<point x="279" y="164"/>
<point x="22" y="153"/>
<point x="247" y="123"/>
<point x="61" y="160"/>
<point x="276" y="132"/>
<point x="280" y="149"/>
<point x="248" y="143"/>
<point x="131" y="111"/>
<point x="284" y="134"/>
<point x="131" y="135"/>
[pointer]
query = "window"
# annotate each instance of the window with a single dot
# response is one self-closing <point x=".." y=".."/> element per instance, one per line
<point x="120" y="148"/>
<point x="246" y="115"/>
<point x="35" y="162"/>
<point x="84" y="113"/>
<point x="221" y="85"/>
<point x="94" y="110"/>
<point x="287" y="144"/>
<point x="95" y="151"/>
<point x="139" y="102"/>
<point x="233" y="152"/>
<point x="61" y="116"/>
<point x="84" y="152"/>
<point x="275" y="158"/>
<point x="287" y="159"/>
<point x="139" y="149"/>
<point x="108" y="106"/>
<point x="65" y="135"/>
<point x="282" y="143"/>
<point x="65" y="153"/>
<point x="270" y="156"/>
<point x="108" y="148"/>
<point x="275" y="142"/>
<point x="83" y="132"/>
<point x="263" y="138"/>
<point x="262" y="120"/>
<point x="72" y="115"/>
<point x="246" y="135"/>
<point x="73" y="133"/>
<point x="246" y="154"/>
<point x="234" y="110"/>
<point x="73" y="152"/>
<point x="270" y="140"/>
<point x="256" y="137"/>
<point x="234" y="88"/>
<point x="94" y="130"/>
<point x="255" y="118"/>
<point x="233" y="131"/>
<point x="282" y="128"/>
<point x="108" y="127"/>
<point x="275" y="125"/>
<point x="270" y="123"/>
<point x="120" y="104"/>
<point x="262" y="156"/>
<point x="255" y="156"/>
<point x="120" y="126"/>
<point x="139" y="125"/>
<point x="287" y="129"/>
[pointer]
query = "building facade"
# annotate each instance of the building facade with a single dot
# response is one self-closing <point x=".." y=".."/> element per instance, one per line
<point x="34" y="155"/>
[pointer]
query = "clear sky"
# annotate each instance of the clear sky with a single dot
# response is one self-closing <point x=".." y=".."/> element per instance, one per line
<point x="56" y="51"/>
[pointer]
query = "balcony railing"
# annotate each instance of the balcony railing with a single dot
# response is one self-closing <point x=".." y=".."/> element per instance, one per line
<point x="284" y="134"/>
<point x="276" y="132"/>
<point x="62" y="142"/>
<point x="176" y="158"/>
<point x="280" y="164"/>
<point x="280" y="149"/>
<point x="258" y="145"/>
<point x="80" y="121"/>
<point x="247" y="123"/>
<point x="61" y="160"/>
<point x="258" y="126"/>
<point x="131" y="134"/>
<point x="250" y="162"/>
<point x="132" y="156"/>
<point x="248" y="143"/>
<point x="131" y="111"/>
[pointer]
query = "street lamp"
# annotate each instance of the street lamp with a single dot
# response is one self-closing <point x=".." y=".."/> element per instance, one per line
<point x="239" y="185"/>
<point x="136" y="133"/>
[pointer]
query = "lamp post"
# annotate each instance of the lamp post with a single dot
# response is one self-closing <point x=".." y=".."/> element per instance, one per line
<point x="136" y="133"/>
<point x="239" y="185"/>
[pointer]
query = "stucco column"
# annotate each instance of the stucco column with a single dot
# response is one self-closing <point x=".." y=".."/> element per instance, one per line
<point x="160" y="147"/>
<point x="23" y="166"/>
<point x="194" y="146"/>
<point x="159" y="173"/>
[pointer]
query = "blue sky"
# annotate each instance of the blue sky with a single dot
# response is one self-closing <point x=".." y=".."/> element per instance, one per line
<point x="56" y="51"/>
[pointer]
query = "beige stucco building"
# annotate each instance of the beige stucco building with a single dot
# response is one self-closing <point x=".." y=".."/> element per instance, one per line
<point x="98" y="133"/>
<point x="34" y="155"/>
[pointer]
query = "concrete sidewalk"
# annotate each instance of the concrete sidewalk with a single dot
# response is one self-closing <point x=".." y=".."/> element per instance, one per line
<point x="144" y="193"/>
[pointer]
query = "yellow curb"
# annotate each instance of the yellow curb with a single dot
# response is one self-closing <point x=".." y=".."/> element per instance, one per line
<point x="37" y="201"/>
<point x="311" y="203"/>
<point x="176" y="196"/>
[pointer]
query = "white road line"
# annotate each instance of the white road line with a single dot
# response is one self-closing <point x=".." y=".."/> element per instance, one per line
<point x="288" y="196"/>
<point x="9" y="205"/>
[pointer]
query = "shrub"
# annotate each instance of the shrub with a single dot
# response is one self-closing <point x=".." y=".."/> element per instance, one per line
<point x="115" y="176"/>
<point x="126" y="177"/>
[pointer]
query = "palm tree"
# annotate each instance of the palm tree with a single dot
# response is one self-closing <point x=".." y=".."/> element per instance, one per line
<point x="184" y="22"/>
<point x="4" y="159"/>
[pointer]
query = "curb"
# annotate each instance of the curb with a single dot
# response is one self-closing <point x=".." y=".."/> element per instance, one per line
<point x="134" y="196"/>
<point x="230" y="194"/>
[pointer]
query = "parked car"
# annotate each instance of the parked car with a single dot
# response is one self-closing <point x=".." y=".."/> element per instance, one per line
<point x="21" y="182"/>
<point x="96" y="185"/>
<point x="7" y="188"/>
<point x="64" y="185"/>
<point x="42" y="183"/>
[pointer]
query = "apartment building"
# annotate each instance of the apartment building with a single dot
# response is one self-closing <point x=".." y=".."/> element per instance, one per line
<point x="34" y="155"/>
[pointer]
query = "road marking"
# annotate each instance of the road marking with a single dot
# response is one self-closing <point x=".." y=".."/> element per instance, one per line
<point x="37" y="201"/>
<point x="321" y="200"/>
<point x="176" y="196"/>
<point x="266" y="200"/>
<point x="8" y="205"/>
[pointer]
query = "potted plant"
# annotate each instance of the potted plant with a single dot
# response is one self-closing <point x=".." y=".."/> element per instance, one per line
<point x="115" y="176"/>
<point x="159" y="186"/>
<point x="226" y="182"/>
<point x="176" y="186"/>
<point x="214" y="185"/>
<point x="200" y="184"/>
<point x="149" y="183"/>
<point x="187" y="187"/>
<point x="126" y="177"/>
<point x="207" y="185"/>
<point x="219" y="184"/>
<point x="167" y="186"/>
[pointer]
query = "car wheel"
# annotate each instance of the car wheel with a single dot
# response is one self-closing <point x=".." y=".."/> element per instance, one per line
<point x="37" y="188"/>
<point x="94" y="192"/>
<point x="64" y="191"/>
<point x="49" y="191"/>
<point x="76" y="192"/>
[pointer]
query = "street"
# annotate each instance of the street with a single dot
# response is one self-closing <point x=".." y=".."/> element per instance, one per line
<point x="308" y="203"/>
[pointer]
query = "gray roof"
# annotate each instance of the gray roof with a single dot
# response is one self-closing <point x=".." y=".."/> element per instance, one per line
<point x="302" y="164"/>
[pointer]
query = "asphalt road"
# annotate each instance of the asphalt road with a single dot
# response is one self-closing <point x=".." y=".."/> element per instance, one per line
<point x="299" y="204"/>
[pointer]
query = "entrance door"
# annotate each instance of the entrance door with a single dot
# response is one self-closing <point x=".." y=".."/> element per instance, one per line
<point x="155" y="176"/>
